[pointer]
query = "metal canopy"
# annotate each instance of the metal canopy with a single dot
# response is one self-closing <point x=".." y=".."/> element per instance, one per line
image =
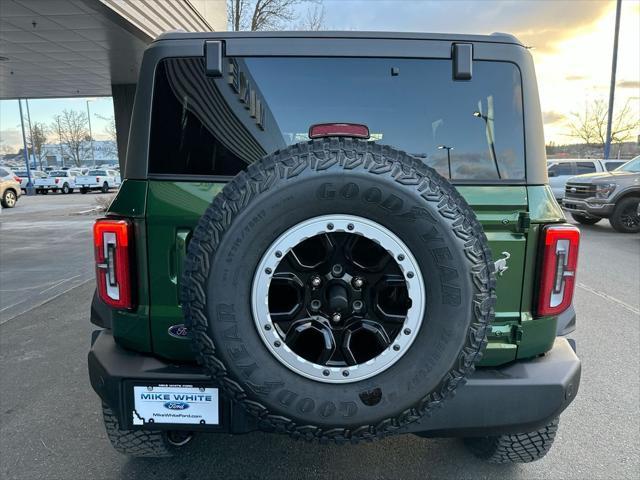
<point x="67" y="48"/>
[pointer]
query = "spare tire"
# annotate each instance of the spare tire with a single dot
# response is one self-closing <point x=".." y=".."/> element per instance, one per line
<point x="338" y="290"/>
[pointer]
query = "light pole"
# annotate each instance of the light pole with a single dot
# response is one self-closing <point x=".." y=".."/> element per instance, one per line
<point x="612" y="87"/>
<point x="93" y="157"/>
<point x="448" y="149"/>
<point x="29" y="189"/>
<point x="26" y="101"/>
<point x="491" y="142"/>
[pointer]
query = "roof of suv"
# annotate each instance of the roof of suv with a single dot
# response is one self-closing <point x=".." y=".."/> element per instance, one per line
<point x="492" y="38"/>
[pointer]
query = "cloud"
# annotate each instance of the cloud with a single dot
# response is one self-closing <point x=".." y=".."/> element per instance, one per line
<point x="537" y="23"/>
<point x="11" y="138"/>
<point x="552" y="117"/>
<point x="629" y="84"/>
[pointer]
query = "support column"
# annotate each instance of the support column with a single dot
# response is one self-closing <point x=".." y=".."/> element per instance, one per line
<point x="123" y="96"/>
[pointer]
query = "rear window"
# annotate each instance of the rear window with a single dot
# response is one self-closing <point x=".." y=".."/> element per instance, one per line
<point x="58" y="174"/>
<point x="205" y="126"/>
<point x="585" y="167"/>
<point x="97" y="172"/>
<point x="563" y="168"/>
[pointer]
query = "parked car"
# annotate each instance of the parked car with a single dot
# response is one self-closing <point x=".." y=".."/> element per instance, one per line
<point x="58" y="180"/>
<point x="10" y="190"/>
<point x="614" y="195"/>
<point x="335" y="288"/>
<point x="560" y="170"/>
<point x="24" y="177"/>
<point x="102" y="180"/>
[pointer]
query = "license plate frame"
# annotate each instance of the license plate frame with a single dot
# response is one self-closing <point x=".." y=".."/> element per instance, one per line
<point x="199" y="413"/>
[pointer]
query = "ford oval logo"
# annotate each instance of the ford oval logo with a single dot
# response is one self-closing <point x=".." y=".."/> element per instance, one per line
<point x="176" y="405"/>
<point x="179" y="331"/>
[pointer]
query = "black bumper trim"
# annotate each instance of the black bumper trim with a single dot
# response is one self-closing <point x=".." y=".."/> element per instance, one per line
<point x="516" y="398"/>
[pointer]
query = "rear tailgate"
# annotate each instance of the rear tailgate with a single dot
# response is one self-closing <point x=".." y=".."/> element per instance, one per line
<point x="86" y="181"/>
<point x="173" y="210"/>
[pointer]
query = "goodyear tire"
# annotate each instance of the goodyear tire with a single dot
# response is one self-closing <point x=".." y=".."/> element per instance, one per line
<point x="353" y="189"/>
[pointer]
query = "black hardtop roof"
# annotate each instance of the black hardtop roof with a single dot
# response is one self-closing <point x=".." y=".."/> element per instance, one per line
<point x="492" y="38"/>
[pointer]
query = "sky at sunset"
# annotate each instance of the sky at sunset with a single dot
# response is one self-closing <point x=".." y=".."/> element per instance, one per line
<point x="571" y="43"/>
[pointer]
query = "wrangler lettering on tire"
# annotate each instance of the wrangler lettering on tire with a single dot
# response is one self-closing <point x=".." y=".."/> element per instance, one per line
<point x="338" y="290"/>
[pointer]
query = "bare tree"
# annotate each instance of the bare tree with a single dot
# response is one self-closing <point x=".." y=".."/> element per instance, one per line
<point x="313" y="20"/>
<point x="37" y="139"/>
<point x="109" y="148"/>
<point x="258" y="15"/>
<point x="74" y="134"/>
<point x="590" y="126"/>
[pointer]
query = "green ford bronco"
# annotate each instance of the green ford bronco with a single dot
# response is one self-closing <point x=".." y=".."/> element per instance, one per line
<point x="328" y="235"/>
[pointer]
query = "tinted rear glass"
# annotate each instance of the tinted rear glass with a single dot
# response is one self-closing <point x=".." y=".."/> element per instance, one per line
<point x="97" y="172"/>
<point x="205" y="126"/>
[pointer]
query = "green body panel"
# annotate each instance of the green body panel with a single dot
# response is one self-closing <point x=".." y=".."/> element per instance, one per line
<point x="132" y="329"/>
<point x="173" y="210"/>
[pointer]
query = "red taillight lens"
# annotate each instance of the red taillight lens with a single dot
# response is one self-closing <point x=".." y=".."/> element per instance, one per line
<point x="339" y="130"/>
<point x="558" y="269"/>
<point x="112" y="240"/>
<point x="17" y="179"/>
<point x="57" y="180"/>
<point x="97" y="179"/>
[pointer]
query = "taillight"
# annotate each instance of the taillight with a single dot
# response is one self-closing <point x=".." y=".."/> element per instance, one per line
<point x="17" y="179"/>
<point x="97" y="179"/>
<point x="338" y="130"/>
<point x="112" y="240"/>
<point x="57" y="180"/>
<point x="558" y="268"/>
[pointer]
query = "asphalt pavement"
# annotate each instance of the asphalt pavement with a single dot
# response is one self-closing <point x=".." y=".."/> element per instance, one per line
<point x="50" y="424"/>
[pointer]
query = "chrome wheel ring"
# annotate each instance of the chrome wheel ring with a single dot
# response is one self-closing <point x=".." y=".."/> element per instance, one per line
<point x="275" y="338"/>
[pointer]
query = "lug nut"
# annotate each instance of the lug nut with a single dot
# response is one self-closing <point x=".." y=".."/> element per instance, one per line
<point x="336" y="317"/>
<point x="315" y="305"/>
<point x="357" y="306"/>
<point x="337" y="270"/>
<point x="316" y="281"/>
<point x="358" y="282"/>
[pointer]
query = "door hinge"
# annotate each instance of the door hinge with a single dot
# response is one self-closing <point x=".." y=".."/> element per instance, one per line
<point x="524" y="222"/>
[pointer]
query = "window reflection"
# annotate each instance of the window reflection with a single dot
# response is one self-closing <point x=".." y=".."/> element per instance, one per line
<point x="465" y="130"/>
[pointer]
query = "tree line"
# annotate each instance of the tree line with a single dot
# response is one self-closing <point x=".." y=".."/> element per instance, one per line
<point x="70" y="130"/>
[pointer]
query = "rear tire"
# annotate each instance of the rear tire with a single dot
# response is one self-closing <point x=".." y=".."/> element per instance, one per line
<point x="625" y="217"/>
<point x="84" y="190"/>
<point x="516" y="448"/>
<point x="142" y="443"/>
<point x="44" y="191"/>
<point x="65" y="189"/>
<point x="105" y="187"/>
<point x="584" y="219"/>
<point x="9" y="198"/>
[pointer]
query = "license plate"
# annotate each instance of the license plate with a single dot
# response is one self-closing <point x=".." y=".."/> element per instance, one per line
<point x="175" y="404"/>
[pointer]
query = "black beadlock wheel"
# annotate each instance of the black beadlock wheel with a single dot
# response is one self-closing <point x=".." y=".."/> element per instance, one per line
<point x="338" y="290"/>
<point x="516" y="448"/>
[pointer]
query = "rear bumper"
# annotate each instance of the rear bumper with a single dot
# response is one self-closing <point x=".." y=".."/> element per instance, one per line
<point x="516" y="398"/>
<point x="587" y="208"/>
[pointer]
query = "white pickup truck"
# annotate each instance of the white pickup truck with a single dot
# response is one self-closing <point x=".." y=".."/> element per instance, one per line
<point x="102" y="179"/>
<point x="58" y="180"/>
